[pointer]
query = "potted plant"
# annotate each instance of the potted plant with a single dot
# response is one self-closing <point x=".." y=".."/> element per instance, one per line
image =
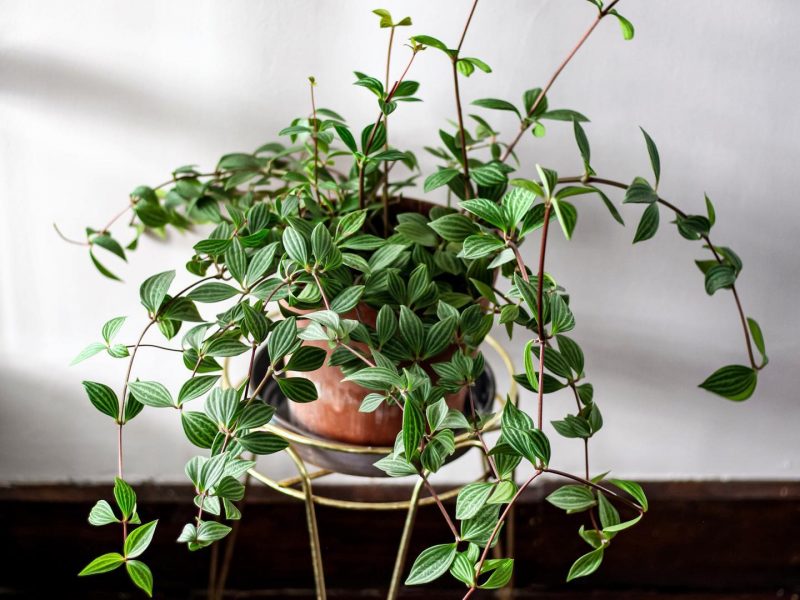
<point x="368" y="308"/>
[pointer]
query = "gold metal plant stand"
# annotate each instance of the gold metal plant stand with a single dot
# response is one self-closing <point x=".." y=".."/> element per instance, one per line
<point x="301" y="488"/>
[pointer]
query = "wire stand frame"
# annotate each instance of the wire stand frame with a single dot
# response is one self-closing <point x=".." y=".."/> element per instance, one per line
<point x="301" y="487"/>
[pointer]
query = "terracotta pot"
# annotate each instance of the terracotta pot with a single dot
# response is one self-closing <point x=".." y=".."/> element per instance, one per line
<point x="335" y="413"/>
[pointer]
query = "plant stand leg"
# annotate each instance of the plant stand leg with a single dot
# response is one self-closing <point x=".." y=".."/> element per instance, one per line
<point x="405" y="539"/>
<point x="311" y="520"/>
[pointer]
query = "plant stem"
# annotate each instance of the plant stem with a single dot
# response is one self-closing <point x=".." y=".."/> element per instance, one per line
<point x="386" y="145"/>
<point x="745" y="329"/>
<point x="540" y="313"/>
<point x="459" y="112"/>
<point x="316" y="141"/>
<point x="442" y="509"/>
<point x="524" y="126"/>
<point x="372" y="133"/>
<point x="496" y="529"/>
<point x="474" y="412"/>
<point x="520" y="263"/>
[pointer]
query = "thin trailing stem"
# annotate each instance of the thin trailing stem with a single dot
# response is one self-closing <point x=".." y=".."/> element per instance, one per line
<point x="496" y="530"/>
<point x="743" y="319"/>
<point x="442" y="509"/>
<point x="524" y="125"/>
<point x="540" y="314"/>
<point x="69" y="240"/>
<point x="474" y="413"/>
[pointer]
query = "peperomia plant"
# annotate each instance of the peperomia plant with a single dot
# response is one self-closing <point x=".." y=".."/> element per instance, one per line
<point x="306" y="234"/>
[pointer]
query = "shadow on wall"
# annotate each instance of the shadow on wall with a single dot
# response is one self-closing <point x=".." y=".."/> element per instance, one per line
<point x="79" y="91"/>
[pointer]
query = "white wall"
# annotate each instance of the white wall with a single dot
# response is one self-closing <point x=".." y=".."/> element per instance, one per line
<point x="97" y="97"/>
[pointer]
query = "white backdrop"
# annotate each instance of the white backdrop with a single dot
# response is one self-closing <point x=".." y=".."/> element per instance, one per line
<point x="97" y="97"/>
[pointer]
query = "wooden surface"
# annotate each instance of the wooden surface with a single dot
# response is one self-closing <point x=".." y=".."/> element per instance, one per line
<point x="700" y="540"/>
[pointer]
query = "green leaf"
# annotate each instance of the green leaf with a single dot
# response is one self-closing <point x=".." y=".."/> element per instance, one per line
<point x="413" y="428"/>
<point x="395" y="466"/>
<point x="103" y="270"/>
<point x="571" y="352"/>
<point x="375" y="378"/>
<point x="102" y="564"/>
<point x="648" y="225"/>
<point x="411" y="330"/>
<point x="151" y="393"/>
<point x="734" y="382"/>
<point x="586" y="564"/>
<point x="198" y="428"/>
<point x="481" y="245"/>
<point x="440" y="336"/>
<point x="229" y="488"/>
<point x="282" y="339"/>
<point x="102" y="398"/>
<point x="463" y="569"/>
<point x="211" y="531"/>
<point x="236" y="260"/>
<point x="88" y="352"/>
<point x="346" y="137"/>
<point x="758" y="337"/>
<point x="428" y="40"/>
<point x="125" y="497"/>
<point x="622" y="526"/>
<point x="254" y="415"/>
<point x="655" y="161"/>
<point x="562" y="319"/>
<point x="503" y="493"/>
<point x="298" y="389"/>
<point x="472" y="498"/>
<point x="496" y="104"/>
<point x="102" y="514"/>
<point x="609" y="517"/>
<point x="417" y="232"/>
<point x="640" y="192"/>
<point x="118" y="351"/>
<point x="321" y="243"/>
<point x="306" y="358"/>
<point x="110" y="244"/>
<point x="719" y="277"/>
<point x="350" y="223"/>
<point x="609" y="205"/>
<point x="712" y="215"/>
<point x="487" y="210"/>
<point x="386" y="324"/>
<point x="438" y="179"/>
<point x="111" y="328"/>
<point x="431" y="564"/>
<point x="347" y="299"/>
<point x="625" y="25"/>
<point x="221" y="406"/>
<point x="371" y="402"/>
<point x="295" y="246"/>
<point x="256" y="322"/>
<point x="260" y="262"/>
<point x="567" y="216"/>
<point x="139" y="539"/>
<point x="154" y="289"/>
<point x="225" y="346"/>
<point x="262" y="442"/>
<point x="573" y="498"/>
<point x="140" y="575"/>
<point x="632" y="488"/>
<point x="213" y="291"/>
<point x="501" y="570"/>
